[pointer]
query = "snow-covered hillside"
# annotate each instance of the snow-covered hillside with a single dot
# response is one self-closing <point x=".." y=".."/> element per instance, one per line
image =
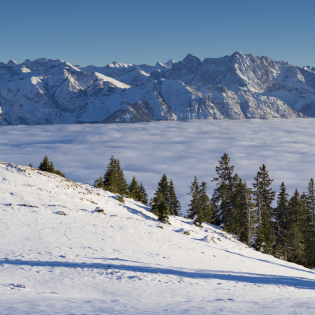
<point x="240" y="86"/>
<point x="123" y="261"/>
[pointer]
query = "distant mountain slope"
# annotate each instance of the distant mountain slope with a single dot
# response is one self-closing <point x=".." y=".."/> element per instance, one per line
<point x="239" y="86"/>
<point x="58" y="255"/>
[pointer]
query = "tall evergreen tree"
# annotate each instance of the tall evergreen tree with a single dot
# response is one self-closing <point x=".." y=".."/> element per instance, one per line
<point x="265" y="234"/>
<point x="133" y="189"/>
<point x="240" y="218"/>
<point x="44" y="164"/>
<point x="223" y="191"/>
<point x="114" y="178"/>
<point x="174" y="204"/>
<point x="206" y="210"/>
<point x="163" y="188"/>
<point x="200" y="205"/>
<point x="144" y="194"/>
<point x="194" y="208"/>
<point x="160" y="208"/>
<point x="294" y="236"/>
<point x="310" y="205"/>
<point x="281" y="222"/>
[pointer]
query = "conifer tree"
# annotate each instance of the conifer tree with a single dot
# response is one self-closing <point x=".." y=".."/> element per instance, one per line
<point x="99" y="183"/>
<point x="194" y="208"/>
<point x="133" y="189"/>
<point x="200" y="205"/>
<point x="281" y="222"/>
<point x="48" y="166"/>
<point x="240" y="218"/>
<point x="144" y="196"/>
<point x="206" y="210"/>
<point x="160" y="208"/>
<point x="174" y="204"/>
<point x="114" y="178"/>
<point x="294" y="236"/>
<point x="44" y="164"/>
<point x="223" y="191"/>
<point x="164" y="189"/>
<point x="265" y="234"/>
<point x="310" y="205"/>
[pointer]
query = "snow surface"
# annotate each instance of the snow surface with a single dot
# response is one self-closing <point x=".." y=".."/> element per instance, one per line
<point x="178" y="149"/>
<point x="123" y="261"/>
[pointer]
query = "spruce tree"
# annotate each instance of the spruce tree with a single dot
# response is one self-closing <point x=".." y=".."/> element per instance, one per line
<point x="264" y="196"/>
<point x="199" y="206"/>
<point x="99" y="183"/>
<point x="144" y="196"/>
<point x="114" y="179"/>
<point x="133" y="189"/>
<point x="160" y="208"/>
<point x="44" y="164"/>
<point x="294" y="236"/>
<point x="48" y="166"/>
<point x="310" y="204"/>
<point x="164" y="189"/>
<point x="194" y="208"/>
<point x="281" y="222"/>
<point x="223" y="191"/>
<point x="174" y="204"/>
<point x="206" y="210"/>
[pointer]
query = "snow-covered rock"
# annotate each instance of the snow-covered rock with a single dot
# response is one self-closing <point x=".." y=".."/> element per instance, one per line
<point x="239" y="86"/>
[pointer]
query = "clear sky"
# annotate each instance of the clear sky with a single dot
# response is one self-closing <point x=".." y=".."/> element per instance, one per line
<point x="146" y="31"/>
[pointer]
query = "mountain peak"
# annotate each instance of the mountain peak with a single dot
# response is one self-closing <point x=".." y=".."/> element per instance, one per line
<point x="12" y="63"/>
<point x="169" y="63"/>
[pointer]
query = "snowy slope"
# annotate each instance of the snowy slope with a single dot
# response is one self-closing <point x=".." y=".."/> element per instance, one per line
<point x="124" y="261"/>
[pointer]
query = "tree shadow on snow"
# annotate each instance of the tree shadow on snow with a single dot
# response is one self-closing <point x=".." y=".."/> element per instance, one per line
<point x="245" y="277"/>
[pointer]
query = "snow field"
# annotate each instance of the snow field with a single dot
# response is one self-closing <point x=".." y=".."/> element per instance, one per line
<point x="122" y="261"/>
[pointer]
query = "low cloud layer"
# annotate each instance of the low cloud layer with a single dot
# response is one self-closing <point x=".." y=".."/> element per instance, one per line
<point x="178" y="149"/>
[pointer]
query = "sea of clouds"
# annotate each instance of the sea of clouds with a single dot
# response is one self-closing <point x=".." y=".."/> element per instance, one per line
<point x="178" y="149"/>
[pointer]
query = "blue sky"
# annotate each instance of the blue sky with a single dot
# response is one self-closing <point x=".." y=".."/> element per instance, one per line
<point x="100" y="31"/>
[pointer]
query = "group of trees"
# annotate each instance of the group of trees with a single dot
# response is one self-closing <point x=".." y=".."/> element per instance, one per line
<point x="165" y="202"/>
<point x="114" y="181"/>
<point x="48" y="166"/>
<point x="286" y="230"/>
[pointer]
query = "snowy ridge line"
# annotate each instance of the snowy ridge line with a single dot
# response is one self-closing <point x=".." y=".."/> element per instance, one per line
<point x="116" y="262"/>
<point x="91" y="193"/>
<point x="240" y="86"/>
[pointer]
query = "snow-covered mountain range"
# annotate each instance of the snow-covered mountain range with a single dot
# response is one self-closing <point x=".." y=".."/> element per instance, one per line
<point x="240" y="86"/>
<point x="59" y="255"/>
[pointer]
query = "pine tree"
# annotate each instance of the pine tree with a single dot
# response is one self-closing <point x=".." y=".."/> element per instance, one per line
<point x="99" y="183"/>
<point x="206" y="210"/>
<point x="48" y="166"/>
<point x="281" y="221"/>
<point x="163" y="188"/>
<point x="200" y="205"/>
<point x="194" y="209"/>
<point x="44" y="164"/>
<point x="114" y="179"/>
<point x="294" y="236"/>
<point x="174" y="204"/>
<point x="223" y="191"/>
<point x="133" y="189"/>
<point x="144" y="196"/>
<point x="310" y="205"/>
<point x="160" y="208"/>
<point x="240" y="219"/>
<point x="264" y="196"/>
